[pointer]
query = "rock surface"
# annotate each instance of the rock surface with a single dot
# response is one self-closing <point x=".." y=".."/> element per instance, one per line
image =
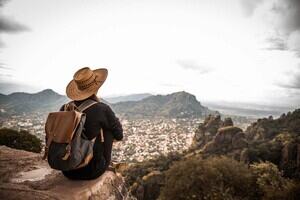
<point x="227" y="139"/>
<point x="268" y="128"/>
<point x="206" y="131"/>
<point x="23" y="175"/>
<point x="267" y="139"/>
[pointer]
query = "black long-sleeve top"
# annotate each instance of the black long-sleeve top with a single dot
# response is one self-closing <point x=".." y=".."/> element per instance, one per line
<point x="98" y="116"/>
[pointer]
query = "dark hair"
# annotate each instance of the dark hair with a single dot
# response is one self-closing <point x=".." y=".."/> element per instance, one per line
<point x="94" y="97"/>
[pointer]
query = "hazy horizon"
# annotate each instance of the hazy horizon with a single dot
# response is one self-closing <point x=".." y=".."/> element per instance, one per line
<point x="229" y="107"/>
<point x="221" y="51"/>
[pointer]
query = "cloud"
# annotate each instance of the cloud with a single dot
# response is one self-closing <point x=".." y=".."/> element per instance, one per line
<point x="5" y="72"/>
<point x="192" y="65"/>
<point x="249" y="6"/>
<point x="170" y="85"/>
<point x="9" y="87"/>
<point x="276" y="43"/>
<point x="284" y="18"/>
<point x="293" y="42"/>
<point x="293" y="81"/>
<point x="2" y="2"/>
<point x="5" y="76"/>
<point x="8" y="25"/>
<point x="4" y="68"/>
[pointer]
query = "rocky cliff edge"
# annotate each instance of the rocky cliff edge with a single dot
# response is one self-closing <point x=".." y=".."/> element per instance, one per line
<point x="24" y="175"/>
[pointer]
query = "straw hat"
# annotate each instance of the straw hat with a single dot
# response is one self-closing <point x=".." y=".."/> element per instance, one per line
<point x="85" y="83"/>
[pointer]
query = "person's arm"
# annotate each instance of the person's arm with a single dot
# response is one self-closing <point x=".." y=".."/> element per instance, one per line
<point x="114" y="124"/>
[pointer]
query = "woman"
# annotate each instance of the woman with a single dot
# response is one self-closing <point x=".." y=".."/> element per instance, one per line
<point x="85" y="85"/>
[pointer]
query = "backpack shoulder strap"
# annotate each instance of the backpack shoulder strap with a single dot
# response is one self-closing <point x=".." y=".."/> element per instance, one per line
<point x="69" y="106"/>
<point x="86" y="104"/>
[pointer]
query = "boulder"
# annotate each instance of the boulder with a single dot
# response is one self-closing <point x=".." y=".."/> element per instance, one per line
<point x="227" y="122"/>
<point x="149" y="186"/>
<point x="226" y="134"/>
<point x="206" y="131"/>
<point x="227" y="139"/>
<point x="24" y="175"/>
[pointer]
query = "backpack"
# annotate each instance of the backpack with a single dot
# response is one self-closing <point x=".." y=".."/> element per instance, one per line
<point x="67" y="148"/>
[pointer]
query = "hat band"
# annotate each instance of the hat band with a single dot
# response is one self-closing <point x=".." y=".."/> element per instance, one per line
<point x="82" y="85"/>
<point x="85" y="80"/>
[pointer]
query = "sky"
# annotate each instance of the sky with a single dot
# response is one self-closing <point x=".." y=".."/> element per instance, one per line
<point x="245" y="51"/>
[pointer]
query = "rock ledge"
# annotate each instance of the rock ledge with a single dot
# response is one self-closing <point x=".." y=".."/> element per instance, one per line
<point x="23" y="175"/>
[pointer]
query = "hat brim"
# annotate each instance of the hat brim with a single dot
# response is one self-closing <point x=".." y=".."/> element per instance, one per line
<point x="74" y="93"/>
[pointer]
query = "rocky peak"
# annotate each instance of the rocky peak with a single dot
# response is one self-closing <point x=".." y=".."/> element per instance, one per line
<point x="175" y="105"/>
<point x="206" y="131"/>
<point x="227" y="122"/>
<point x="215" y="136"/>
<point x="227" y="139"/>
<point x="180" y="96"/>
<point x="268" y="128"/>
<point x="267" y="139"/>
<point x="48" y="92"/>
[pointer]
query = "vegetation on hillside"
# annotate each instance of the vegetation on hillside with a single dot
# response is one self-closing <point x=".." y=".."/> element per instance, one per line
<point x="226" y="178"/>
<point x="20" y="140"/>
<point x="175" y="105"/>
<point x="20" y="102"/>
<point x="227" y="163"/>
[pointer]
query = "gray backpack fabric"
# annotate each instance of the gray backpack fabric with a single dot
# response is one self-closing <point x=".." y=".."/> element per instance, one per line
<point x="67" y="148"/>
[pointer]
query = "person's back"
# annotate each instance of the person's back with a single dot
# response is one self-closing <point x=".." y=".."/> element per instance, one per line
<point x="98" y="116"/>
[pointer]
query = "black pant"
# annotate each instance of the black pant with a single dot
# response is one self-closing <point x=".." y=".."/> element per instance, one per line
<point x="93" y="170"/>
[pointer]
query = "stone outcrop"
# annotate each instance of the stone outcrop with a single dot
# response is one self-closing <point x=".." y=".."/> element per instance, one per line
<point x="268" y="128"/>
<point x="227" y="139"/>
<point x="216" y="136"/>
<point x="23" y="175"/>
<point x="227" y="122"/>
<point x="149" y="187"/>
<point x="290" y="159"/>
<point x="206" y="131"/>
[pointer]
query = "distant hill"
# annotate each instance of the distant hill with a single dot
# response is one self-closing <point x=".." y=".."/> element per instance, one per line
<point x="179" y="104"/>
<point x="131" y="97"/>
<point x="20" y="102"/>
<point x="247" y="109"/>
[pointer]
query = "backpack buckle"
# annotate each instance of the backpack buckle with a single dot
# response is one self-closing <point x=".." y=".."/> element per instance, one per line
<point x="68" y="153"/>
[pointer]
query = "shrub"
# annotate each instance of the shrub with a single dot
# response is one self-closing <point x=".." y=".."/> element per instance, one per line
<point x="148" y="175"/>
<point x="138" y="170"/>
<point x="271" y="182"/>
<point x="267" y="151"/>
<point x="268" y="176"/>
<point x="212" y="178"/>
<point x="20" y="140"/>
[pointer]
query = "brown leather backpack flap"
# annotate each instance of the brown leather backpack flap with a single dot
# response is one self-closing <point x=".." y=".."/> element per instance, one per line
<point x="60" y="126"/>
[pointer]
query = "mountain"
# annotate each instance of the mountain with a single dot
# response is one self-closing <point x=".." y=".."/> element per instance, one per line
<point x="20" y="102"/>
<point x="179" y="104"/>
<point x="131" y="97"/>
